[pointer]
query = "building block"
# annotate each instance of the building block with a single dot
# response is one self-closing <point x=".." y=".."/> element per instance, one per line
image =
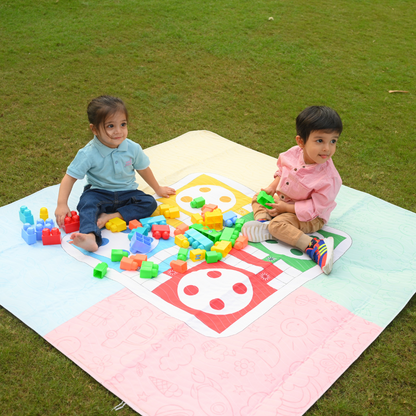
<point x="100" y="270"/>
<point x="230" y="234"/>
<point x="28" y="233"/>
<point x="209" y="207"/>
<point x="25" y="215"/>
<point x="139" y="258"/>
<point x="158" y="219"/>
<point x="49" y="223"/>
<point x="213" y="235"/>
<point x="163" y="208"/>
<point x="241" y="242"/>
<point x="181" y="241"/>
<point x="181" y="228"/>
<point x="149" y="270"/>
<point x="214" y="220"/>
<point x="229" y="218"/>
<point x="140" y="243"/>
<point x="183" y="254"/>
<point x="43" y="214"/>
<point x="198" y="240"/>
<point x="115" y="225"/>
<point x="50" y="237"/>
<point x="239" y="224"/>
<point x="133" y="224"/>
<point x="140" y="230"/>
<point x="197" y="219"/>
<point x="263" y="198"/>
<point x="128" y="263"/>
<point x="179" y="266"/>
<point x="223" y="247"/>
<point x="160" y="231"/>
<point x="198" y="202"/>
<point x="118" y="254"/>
<point x="40" y="225"/>
<point x="213" y="256"/>
<point x="197" y="255"/>
<point x="172" y="212"/>
<point x="71" y="224"/>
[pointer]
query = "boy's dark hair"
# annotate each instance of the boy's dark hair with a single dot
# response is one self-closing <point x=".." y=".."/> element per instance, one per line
<point x="102" y="107"/>
<point x="317" y="118"/>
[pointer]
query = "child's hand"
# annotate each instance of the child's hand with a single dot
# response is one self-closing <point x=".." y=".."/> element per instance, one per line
<point x="269" y="190"/>
<point x="281" y="207"/>
<point x="165" y="191"/>
<point x="60" y="213"/>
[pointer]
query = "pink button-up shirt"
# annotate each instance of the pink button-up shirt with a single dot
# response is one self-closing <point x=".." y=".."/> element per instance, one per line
<point x="312" y="188"/>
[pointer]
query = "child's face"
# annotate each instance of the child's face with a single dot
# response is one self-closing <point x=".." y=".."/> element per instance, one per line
<point x="319" y="147"/>
<point x="114" y="130"/>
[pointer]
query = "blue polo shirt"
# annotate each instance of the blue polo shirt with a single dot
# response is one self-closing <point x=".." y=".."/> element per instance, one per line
<point x="109" y="169"/>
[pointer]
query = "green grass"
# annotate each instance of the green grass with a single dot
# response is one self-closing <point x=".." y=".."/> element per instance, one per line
<point x="224" y="67"/>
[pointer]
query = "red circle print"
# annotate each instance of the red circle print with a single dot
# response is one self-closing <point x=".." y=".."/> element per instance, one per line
<point x="217" y="304"/>
<point x="240" y="288"/>
<point x="214" y="274"/>
<point x="190" y="290"/>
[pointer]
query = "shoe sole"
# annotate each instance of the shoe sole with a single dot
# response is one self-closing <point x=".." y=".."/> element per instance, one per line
<point x="257" y="231"/>
<point x="329" y="256"/>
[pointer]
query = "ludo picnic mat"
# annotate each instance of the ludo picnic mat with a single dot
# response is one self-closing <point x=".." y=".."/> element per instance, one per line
<point x="262" y="332"/>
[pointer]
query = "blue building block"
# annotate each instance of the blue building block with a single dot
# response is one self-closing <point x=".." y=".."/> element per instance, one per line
<point x="25" y="215"/>
<point x="159" y="220"/>
<point x="197" y="240"/>
<point x="229" y="218"/>
<point x="28" y="233"/>
<point x="140" y="243"/>
<point x="140" y="230"/>
<point x="49" y="223"/>
<point x="40" y="225"/>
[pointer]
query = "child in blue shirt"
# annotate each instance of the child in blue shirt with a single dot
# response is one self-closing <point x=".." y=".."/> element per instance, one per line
<point x="109" y="162"/>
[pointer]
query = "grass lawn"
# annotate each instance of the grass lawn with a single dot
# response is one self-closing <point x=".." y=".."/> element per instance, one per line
<point x="219" y="66"/>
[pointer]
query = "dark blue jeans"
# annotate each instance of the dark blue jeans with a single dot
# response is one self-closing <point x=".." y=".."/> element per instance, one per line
<point x="132" y="205"/>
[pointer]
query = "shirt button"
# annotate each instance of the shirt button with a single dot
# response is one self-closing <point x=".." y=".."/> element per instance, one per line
<point x="295" y="169"/>
<point x="287" y="183"/>
<point x="116" y="162"/>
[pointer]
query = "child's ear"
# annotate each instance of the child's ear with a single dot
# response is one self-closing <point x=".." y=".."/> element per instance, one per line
<point x="93" y="129"/>
<point x="300" y="142"/>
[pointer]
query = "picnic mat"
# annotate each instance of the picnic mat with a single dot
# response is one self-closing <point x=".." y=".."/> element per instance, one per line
<point x="262" y="332"/>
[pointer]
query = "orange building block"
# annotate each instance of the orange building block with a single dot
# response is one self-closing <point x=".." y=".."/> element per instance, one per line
<point x="128" y="263"/>
<point x="139" y="258"/>
<point x="241" y="242"/>
<point x="133" y="224"/>
<point x="181" y="228"/>
<point x="179" y="266"/>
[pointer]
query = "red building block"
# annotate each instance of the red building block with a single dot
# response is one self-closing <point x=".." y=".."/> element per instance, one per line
<point x="50" y="237"/>
<point x="160" y="231"/>
<point x="71" y="223"/>
<point x="179" y="266"/>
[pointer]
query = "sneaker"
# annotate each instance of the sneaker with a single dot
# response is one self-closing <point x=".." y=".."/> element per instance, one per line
<point x="257" y="231"/>
<point x="322" y="253"/>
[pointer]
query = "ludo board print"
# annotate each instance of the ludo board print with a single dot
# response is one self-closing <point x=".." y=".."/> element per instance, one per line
<point x="218" y="299"/>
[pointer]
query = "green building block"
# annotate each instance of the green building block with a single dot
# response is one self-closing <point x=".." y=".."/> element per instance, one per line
<point x="148" y="270"/>
<point x="239" y="224"/>
<point x="213" y="256"/>
<point x="230" y="234"/>
<point x="183" y="254"/>
<point x="100" y="270"/>
<point x="213" y="235"/>
<point x="198" y="202"/>
<point x="263" y="198"/>
<point x="117" y="255"/>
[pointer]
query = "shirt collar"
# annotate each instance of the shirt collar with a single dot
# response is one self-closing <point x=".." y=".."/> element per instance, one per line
<point x="104" y="150"/>
<point x="316" y="166"/>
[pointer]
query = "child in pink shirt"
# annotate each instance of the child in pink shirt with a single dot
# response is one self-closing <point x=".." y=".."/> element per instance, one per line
<point x="304" y="189"/>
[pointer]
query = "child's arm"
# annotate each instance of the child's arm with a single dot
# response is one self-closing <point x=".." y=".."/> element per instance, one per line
<point x="271" y="189"/>
<point x="163" y="191"/>
<point x="281" y="207"/>
<point x="62" y="208"/>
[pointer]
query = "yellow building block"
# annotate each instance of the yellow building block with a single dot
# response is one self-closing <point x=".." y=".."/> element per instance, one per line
<point x="197" y="254"/>
<point x="181" y="241"/>
<point x="115" y="225"/>
<point x="163" y="208"/>
<point x="223" y="247"/>
<point x="172" y="212"/>
<point x="214" y="220"/>
<point x="197" y="219"/>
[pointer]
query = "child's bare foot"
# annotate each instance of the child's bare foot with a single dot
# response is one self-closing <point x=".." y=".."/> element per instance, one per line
<point x="84" y="241"/>
<point x="104" y="218"/>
